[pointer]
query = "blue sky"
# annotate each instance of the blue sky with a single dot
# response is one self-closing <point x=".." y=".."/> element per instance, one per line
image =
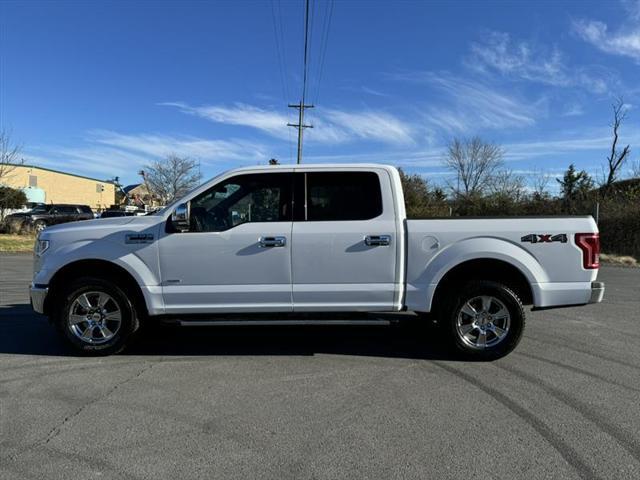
<point x="101" y="88"/>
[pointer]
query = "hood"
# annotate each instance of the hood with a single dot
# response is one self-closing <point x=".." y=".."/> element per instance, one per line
<point x="114" y="223"/>
<point x="18" y="215"/>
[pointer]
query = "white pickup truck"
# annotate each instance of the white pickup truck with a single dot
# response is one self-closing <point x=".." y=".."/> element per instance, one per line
<point x="310" y="238"/>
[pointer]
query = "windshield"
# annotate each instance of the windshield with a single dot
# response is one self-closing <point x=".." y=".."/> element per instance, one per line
<point x="176" y="201"/>
<point x="40" y="209"/>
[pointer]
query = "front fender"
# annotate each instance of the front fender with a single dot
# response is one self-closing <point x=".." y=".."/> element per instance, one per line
<point x="139" y="260"/>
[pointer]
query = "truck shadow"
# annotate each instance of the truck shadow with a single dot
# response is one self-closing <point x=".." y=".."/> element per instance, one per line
<point x="23" y="332"/>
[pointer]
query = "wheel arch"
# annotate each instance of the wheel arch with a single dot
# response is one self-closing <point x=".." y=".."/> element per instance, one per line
<point x="492" y="269"/>
<point x="97" y="268"/>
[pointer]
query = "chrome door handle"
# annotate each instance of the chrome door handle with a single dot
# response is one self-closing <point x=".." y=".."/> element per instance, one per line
<point x="273" y="241"/>
<point x="377" y="240"/>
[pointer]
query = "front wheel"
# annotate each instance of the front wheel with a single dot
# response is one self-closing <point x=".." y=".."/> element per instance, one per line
<point x="484" y="319"/>
<point x="95" y="316"/>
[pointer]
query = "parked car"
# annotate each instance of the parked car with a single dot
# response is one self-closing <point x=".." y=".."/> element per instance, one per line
<point x="304" y="239"/>
<point x="117" y="213"/>
<point x="42" y="216"/>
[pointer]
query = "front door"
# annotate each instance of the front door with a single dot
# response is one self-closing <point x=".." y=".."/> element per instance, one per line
<point x="236" y="255"/>
<point x="344" y="242"/>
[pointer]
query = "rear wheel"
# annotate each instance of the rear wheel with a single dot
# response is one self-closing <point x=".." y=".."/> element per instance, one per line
<point x="95" y="316"/>
<point x="484" y="319"/>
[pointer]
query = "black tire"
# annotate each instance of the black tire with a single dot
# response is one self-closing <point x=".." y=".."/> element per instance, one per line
<point x="467" y="346"/>
<point x="96" y="345"/>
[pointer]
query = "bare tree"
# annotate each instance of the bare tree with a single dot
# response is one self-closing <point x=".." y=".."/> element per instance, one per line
<point x="635" y="168"/>
<point x="540" y="183"/>
<point x="617" y="157"/>
<point x="9" y="154"/>
<point x="170" y="178"/>
<point x="507" y="184"/>
<point x="475" y="162"/>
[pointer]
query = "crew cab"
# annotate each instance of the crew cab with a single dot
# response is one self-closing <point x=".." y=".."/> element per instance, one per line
<point x="299" y="241"/>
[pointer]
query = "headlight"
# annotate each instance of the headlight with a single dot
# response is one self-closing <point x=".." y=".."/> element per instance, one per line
<point x="40" y="247"/>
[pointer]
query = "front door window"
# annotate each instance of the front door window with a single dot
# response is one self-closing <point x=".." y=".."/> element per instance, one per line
<point x="251" y="198"/>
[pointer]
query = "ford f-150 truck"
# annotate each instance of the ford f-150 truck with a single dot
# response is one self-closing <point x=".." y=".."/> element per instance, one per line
<point x="310" y="238"/>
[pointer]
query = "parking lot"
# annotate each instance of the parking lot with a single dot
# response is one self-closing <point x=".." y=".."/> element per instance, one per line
<point x="320" y="402"/>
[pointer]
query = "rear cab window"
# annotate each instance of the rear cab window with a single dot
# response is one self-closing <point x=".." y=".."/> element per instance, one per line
<point x="337" y="196"/>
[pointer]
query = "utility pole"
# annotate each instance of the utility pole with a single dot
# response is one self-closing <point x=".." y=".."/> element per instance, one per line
<point x="301" y="106"/>
<point x="300" y="125"/>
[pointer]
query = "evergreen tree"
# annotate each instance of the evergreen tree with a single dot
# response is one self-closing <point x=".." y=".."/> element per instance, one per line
<point x="574" y="186"/>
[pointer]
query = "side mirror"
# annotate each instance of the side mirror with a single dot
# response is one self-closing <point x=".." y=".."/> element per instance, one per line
<point x="180" y="217"/>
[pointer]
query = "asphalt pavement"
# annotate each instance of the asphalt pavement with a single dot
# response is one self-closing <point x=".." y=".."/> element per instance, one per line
<point x="323" y="402"/>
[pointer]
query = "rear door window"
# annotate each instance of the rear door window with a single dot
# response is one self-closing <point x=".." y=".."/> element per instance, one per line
<point x="342" y="196"/>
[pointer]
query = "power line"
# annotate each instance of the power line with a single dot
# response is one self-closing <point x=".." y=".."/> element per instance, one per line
<point x="284" y="57"/>
<point x="281" y="55"/>
<point x="305" y="65"/>
<point x="278" y="54"/>
<point x="320" y="34"/>
<point x="324" y="41"/>
<point x="305" y="69"/>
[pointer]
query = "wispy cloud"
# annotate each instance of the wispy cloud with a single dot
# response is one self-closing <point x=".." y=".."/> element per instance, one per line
<point x="106" y="153"/>
<point x="374" y="92"/>
<point x="594" y="141"/>
<point x="371" y="125"/>
<point x="632" y="7"/>
<point x="624" y="41"/>
<point x="469" y="106"/>
<point x="558" y="147"/>
<point x="412" y="159"/>
<point x="572" y="110"/>
<point x="498" y="53"/>
<point x="160" y="145"/>
<point x="330" y="126"/>
<point x="268" y="121"/>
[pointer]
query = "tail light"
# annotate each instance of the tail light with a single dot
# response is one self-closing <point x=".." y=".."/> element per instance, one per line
<point x="589" y="243"/>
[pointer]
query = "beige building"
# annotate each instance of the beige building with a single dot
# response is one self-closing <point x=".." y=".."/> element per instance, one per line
<point x="51" y="186"/>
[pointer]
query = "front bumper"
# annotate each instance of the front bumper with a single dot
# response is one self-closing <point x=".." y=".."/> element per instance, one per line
<point x="38" y="293"/>
<point x="597" y="292"/>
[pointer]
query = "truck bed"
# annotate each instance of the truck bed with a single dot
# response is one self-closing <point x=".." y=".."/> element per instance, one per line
<point x="542" y="248"/>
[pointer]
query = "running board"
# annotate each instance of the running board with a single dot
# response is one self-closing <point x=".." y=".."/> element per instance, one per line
<point x="233" y="323"/>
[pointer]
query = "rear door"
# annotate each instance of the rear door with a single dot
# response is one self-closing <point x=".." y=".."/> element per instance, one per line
<point x="85" y="212"/>
<point x="64" y="213"/>
<point x="344" y="241"/>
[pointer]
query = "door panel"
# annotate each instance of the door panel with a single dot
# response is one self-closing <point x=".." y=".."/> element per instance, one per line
<point x="236" y="255"/>
<point x="333" y="266"/>
<point x="227" y="271"/>
<point x="334" y="269"/>
<point x="59" y="216"/>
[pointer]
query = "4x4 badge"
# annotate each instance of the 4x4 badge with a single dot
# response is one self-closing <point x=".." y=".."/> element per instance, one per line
<point x="544" y="238"/>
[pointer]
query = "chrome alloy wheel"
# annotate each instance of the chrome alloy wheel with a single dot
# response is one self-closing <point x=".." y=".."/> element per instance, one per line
<point x="94" y="317"/>
<point x="483" y="322"/>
